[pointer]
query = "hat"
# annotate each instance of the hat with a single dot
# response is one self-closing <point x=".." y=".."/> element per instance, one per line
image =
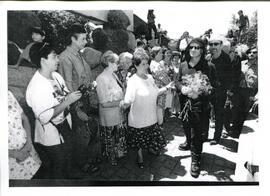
<point x="198" y="41"/>
<point x="38" y="30"/>
<point x="217" y="37"/>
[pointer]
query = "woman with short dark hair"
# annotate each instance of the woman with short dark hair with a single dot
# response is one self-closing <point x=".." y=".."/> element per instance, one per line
<point x="50" y="99"/>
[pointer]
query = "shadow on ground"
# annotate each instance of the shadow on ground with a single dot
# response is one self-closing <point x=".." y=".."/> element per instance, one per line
<point x="229" y="144"/>
<point x="246" y="130"/>
<point x="218" y="167"/>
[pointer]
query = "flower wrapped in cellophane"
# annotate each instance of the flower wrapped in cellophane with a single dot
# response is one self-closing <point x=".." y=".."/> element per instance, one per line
<point x="194" y="86"/>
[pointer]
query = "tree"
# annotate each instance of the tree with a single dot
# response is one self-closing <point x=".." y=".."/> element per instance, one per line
<point x="19" y="23"/>
<point x="250" y="37"/>
<point x="56" y="24"/>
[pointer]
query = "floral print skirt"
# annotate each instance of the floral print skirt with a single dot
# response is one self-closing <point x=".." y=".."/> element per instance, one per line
<point x="113" y="141"/>
<point x="146" y="138"/>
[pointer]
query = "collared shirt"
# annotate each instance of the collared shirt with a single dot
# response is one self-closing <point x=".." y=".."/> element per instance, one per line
<point x="74" y="68"/>
<point x="42" y="95"/>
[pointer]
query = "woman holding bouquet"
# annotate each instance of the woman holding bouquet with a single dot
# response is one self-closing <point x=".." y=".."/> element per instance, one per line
<point x="141" y="95"/>
<point x="196" y="118"/>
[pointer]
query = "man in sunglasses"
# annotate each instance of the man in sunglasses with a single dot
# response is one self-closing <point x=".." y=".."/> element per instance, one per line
<point x="247" y="92"/>
<point x="223" y="85"/>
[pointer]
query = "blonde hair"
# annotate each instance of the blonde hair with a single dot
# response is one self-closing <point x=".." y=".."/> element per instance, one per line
<point x="109" y="56"/>
<point x="124" y="56"/>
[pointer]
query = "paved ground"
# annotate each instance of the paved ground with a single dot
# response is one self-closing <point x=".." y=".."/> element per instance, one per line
<point x="220" y="163"/>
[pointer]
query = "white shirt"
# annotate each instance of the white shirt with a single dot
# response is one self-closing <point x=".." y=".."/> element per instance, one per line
<point x="42" y="95"/>
<point x="183" y="43"/>
<point x="142" y="94"/>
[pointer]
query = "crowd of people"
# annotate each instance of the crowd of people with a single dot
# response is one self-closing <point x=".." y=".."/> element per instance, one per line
<point x="136" y="92"/>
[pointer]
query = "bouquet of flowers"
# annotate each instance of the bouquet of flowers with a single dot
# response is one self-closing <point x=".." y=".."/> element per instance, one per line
<point x="241" y="49"/>
<point x="194" y="86"/>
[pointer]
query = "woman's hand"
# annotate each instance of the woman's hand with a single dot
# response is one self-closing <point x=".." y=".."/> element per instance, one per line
<point x="171" y="85"/>
<point x="28" y="146"/>
<point x="74" y="96"/>
<point x="123" y="105"/>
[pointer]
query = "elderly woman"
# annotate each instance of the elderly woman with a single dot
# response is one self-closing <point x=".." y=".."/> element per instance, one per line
<point x="161" y="78"/>
<point x="125" y="63"/>
<point x="110" y="93"/>
<point x="141" y="96"/>
<point x="23" y="159"/>
<point x="198" y="116"/>
<point x="49" y="99"/>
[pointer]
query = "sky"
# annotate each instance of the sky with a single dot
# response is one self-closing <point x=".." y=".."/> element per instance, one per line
<point x="196" y="17"/>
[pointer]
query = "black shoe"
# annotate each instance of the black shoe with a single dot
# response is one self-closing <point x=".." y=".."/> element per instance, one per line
<point x="195" y="166"/>
<point x="184" y="146"/>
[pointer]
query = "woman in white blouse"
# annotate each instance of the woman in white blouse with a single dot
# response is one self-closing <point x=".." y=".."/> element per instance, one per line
<point x="110" y="93"/>
<point x="48" y="97"/>
<point x="141" y="96"/>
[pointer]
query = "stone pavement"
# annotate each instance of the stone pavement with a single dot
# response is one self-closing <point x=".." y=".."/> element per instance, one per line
<point x="218" y="161"/>
<point x="222" y="163"/>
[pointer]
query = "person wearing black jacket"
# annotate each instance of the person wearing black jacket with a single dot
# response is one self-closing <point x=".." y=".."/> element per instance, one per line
<point x="223" y="83"/>
<point x="197" y="122"/>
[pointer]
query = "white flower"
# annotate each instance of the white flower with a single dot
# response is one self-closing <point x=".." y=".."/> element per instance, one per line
<point x="185" y="90"/>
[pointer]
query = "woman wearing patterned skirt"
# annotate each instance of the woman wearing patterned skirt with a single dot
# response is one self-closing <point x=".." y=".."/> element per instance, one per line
<point x="110" y="93"/>
<point x="141" y="95"/>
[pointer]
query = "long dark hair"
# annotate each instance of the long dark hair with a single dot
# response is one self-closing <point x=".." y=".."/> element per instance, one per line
<point x="202" y="45"/>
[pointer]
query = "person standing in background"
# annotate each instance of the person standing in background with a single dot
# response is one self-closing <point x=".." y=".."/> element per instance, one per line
<point x="38" y="35"/>
<point x="151" y="24"/>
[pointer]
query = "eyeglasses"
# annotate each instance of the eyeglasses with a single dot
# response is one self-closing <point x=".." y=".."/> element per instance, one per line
<point x="254" y="52"/>
<point x="214" y="44"/>
<point x="195" y="47"/>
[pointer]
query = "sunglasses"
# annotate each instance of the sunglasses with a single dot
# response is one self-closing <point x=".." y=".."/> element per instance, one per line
<point x="214" y="44"/>
<point x="254" y="52"/>
<point x="195" y="47"/>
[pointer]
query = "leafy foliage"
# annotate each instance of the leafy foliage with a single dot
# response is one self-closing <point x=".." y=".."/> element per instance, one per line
<point x="19" y="23"/>
<point x="55" y="23"/>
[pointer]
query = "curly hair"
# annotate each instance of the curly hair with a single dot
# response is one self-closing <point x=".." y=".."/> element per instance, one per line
<point x="108" y="56"/>
<point x="117" y="19"/>
<point x="139" y="55"/>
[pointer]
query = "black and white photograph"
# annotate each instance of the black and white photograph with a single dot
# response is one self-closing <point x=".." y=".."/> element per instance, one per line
<point x="140" y="94"/>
